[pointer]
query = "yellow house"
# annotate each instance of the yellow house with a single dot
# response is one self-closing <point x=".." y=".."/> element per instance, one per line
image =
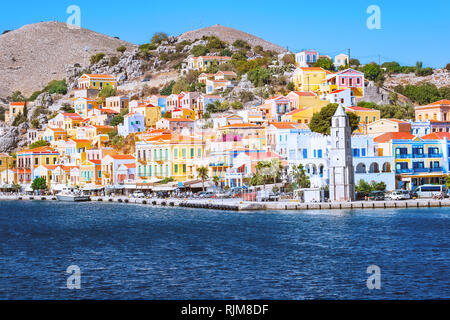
<point x="52" y="135"/>
<point x="202" y="63"/>
<point x="96" y="81"/>
<point x="84" y="105"/>
<point x="5" y="161"/>
<point x="303" y="115"/>
<point x="91" y="172"/>
<point x="151" y="113"/>
<point x="14" y="109"/>
<point x="300" y="99"/>
<point x="184" y="113"/>
<point x="309" y="78"/>
<point x="365" y="117"/>
<point x="170" y="155"/>
<point x="388" y="125"/>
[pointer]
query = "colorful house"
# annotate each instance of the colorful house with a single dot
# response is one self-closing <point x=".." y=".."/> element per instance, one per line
<point x="110" y="166"/>
<point x="84" y="105"/>
<point x="365" y="117"/>
<point x="117" y="103"/>
<point x="309" y="78"/>
<point x="306" y="58"/>
<point x="132" y="123"/>
<point x="96" y="81"/>
<point x="345" y="79"/>
<point x="14" y="109"/>
<point x="28" y="160"/>
<point x="418" y="161"/>
<point x="151" y="113"/>
<point x="90" y="172"/>
<point x="202" y="63"/>
<point x="438" y="111"/>
<point x="381" y="126"/>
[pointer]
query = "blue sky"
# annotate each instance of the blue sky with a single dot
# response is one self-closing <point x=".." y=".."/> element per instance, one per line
<point x="410" y="30"/>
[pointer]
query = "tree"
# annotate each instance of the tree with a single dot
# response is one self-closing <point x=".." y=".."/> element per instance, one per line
<point x="202" y="173"/>
<point x="96" y="58"/>
<point x="290" y="86"/>
<point x="167" y="90"/>
<point x="180" y="86"/>
<point x="108" y="91"/>
<point x="300" y="177"/>
<point x="325" y="63"/>
<point x="447" y="67"/>
<point x="215" y="43"/>
<point x="37" y="144"/>
<point x="373" y="72"/>
<point x="121" y="49"/>
<point x="159" y="37"/>
<point x="25" y="110"/>
<point x="321" y="121"/>
<point x="354" y="62"/>
<point x="216" y="180"/>
<point x="241" y="44"/>
<point x="363" y="186"/>
<point x="39" y="184"/>
<point x="237" y="105"/>
<point x="118" y="119"/>
<point x="199" y="50"/>
<point x="259" y="76"/>
<point x="17" y="96"/>
<point x="55" y="86"/>
<point x="288" y="59"/>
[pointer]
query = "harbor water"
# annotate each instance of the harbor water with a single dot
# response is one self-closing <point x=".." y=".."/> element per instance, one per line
<point x="130" y="251"/>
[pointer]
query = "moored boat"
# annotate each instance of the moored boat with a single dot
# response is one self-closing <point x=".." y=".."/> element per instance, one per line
<point x="71" y="195"/>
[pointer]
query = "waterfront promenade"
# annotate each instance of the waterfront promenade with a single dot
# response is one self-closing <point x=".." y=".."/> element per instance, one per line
<point x="238" y="205"/>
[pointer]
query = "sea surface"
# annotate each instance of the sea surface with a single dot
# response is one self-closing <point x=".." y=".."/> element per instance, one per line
<point x="127" y="251"/>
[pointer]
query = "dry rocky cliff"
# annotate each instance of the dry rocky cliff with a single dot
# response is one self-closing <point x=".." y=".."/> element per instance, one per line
<point x="35" y="54"/>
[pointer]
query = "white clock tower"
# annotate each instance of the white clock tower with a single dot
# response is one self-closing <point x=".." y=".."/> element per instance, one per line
<point x="342" y="177"/>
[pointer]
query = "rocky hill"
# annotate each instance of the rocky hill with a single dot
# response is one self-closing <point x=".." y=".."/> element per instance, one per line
<point x="440" y="78"/>
<point x="35" y="54"/>
<point x="230" y="35"/>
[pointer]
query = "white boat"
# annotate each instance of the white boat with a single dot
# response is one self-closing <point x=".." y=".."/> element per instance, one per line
<point x="71" y="195"/>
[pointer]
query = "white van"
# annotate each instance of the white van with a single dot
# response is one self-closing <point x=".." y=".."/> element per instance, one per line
<point x="428" y="190"/>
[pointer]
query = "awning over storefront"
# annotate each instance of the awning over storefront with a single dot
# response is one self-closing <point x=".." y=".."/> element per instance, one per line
<point x="208" y="184"/>
<point x="92" y="188"/>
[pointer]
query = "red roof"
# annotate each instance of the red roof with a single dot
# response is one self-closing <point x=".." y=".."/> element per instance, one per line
<point x="360" y="109"/>
<point x="180" y="120"/>
<point x="437" y="136"/>
<point x="385" y="137"/>
<point x="441" y="102"/>
<point x="17" y="103"/>
<point x="122" y="157"/>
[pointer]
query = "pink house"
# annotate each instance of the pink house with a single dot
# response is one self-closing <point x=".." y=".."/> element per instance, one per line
<point x="345" y="79"/>
<point x="306" y="58"/>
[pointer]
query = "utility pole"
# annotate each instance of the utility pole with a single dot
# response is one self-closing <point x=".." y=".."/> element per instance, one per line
<point x="348" y="57"/>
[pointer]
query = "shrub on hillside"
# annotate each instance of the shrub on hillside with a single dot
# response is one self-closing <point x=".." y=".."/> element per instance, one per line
<point x="199" y="50"/>
<point x="97" y="57"/>
<point x="121" y="49"/>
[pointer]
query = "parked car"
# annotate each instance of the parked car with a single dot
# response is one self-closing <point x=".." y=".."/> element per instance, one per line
<point x="399" y="195"/>
<point x="138" y="194"/>
<point x="207" y="194"/>
<point x="377" y="195"/>
<point x="361" y="195"/>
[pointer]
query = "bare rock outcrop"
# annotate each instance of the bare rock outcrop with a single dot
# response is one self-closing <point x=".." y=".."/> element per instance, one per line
<point x="230" y="35"/>
<point x="35" y="54"/>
